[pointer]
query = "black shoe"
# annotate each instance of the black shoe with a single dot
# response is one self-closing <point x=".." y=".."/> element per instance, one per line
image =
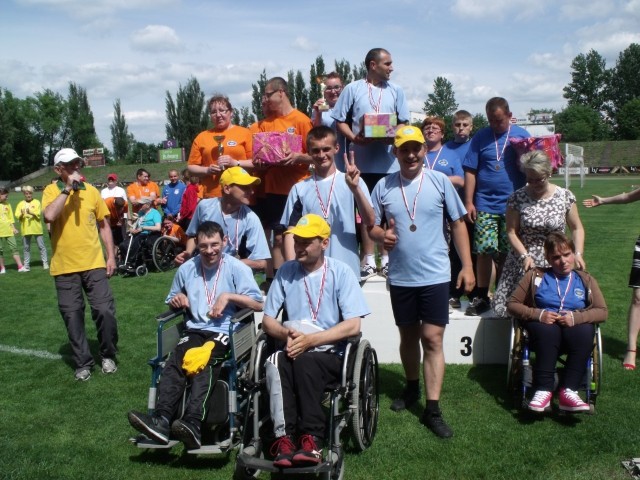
<point x="477" y="307"/>
<point x="434" y="422"/>
<point x="454" y="302"/>
<point x="154" y="426"/>
<point x="188" y="433"/>
<point x="406" y="400"/>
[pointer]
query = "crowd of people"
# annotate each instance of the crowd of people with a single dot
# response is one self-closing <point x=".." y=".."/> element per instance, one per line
<point x="439" y="219"/>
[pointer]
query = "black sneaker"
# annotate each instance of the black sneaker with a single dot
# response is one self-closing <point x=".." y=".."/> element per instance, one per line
<point x="309" y="452"/>
<point x="406" y="400"/>
<point x="282" y="450"/>
<point x="477" y="307"/>
<point x="434" y="422"/>
<point x="154" y="426"/>
<point x="186" y="432"/>
<point x="454" y="302"/>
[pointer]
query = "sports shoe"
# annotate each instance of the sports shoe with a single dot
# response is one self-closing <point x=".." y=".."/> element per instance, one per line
<point x="24" y="269"/>
<point x="154" y="426"/>
<point x="384" y="271"/>
<point x="477" y="307"/>
<point x="83" y="374"/>
<point x="454" y="302"/>
<point x="109" y="366"/>
<point x="406" y="400"/>
<point x="541" y="401"/>
<point x="45" y="266"/>
<point x="367" y="272"/>
<point x="434" y="422"/>
<point x="3" y="271"/>
<point x="570" y="401"/>
<point x="308" y="453"/>
<point x="188" y="433"/>
<point x="282" y="450"/>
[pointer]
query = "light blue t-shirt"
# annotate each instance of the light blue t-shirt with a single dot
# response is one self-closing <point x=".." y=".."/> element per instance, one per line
<point x="243" y="228"/>
<point x="173" y="193"/>
<point x="376" y="157"/>
<point x="495" y="180"/>
<point x="421" y="257"/>
<point x="303" y="199"/>
<point x="549" y="294"/>
<point x="235" y="277"/>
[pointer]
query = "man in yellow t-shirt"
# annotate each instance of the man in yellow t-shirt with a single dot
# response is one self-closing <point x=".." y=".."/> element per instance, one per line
<point x="74" y="209"/>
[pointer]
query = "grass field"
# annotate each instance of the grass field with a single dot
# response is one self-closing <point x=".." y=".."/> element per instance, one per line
<point x="56" y="428"/>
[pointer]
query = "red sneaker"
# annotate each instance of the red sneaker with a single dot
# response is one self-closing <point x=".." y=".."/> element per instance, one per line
<point x="309" y="453"/>
<point x="282" y="449"/>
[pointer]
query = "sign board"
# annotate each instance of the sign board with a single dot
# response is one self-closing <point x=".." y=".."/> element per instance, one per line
<point x="92" y="151"/>
<point x="171" y="155"/>
<point x="574" y="170"/>
<point x="96" y="160"/>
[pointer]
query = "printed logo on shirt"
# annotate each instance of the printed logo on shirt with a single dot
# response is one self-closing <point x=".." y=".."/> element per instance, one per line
<point x="232" y="143"/>
<point x="291" y="130"/>
<point x="578" y="292"/>
<point x="443" y="162"/>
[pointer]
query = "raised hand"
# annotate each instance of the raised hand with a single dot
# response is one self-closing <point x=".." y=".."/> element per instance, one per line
<point x="594" y="201"/>
<point x="390" y="237"/>
<point x="352" y="174"/>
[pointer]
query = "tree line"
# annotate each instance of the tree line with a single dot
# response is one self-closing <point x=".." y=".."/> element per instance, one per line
<point x="602" y="104"/>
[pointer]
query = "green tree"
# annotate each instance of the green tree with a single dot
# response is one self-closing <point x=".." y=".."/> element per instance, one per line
<point x="141" y="152"/>
<point x="291" y="88"/>
<point x="121" y="139"/>
<point x="624" y="85"/>
<point x="343" y="68"/>
<point x="256" y="95"/>
<point x="589" y="78"/>
<point x="479" y="121"/>
<point x="580" y="123"/>
<point x="49" y="122"/>
<point x="246" y="117"/>
<point x="629" y="120"/>
<point x="301" y="94"/>
<point x="442" y="102"/>
<point x="317" y="70"/>
<point x="187" y="116"/>
<point x="79" y="120"/>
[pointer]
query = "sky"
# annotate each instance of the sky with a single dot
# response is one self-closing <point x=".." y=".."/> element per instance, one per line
<point x="137" y="50"/>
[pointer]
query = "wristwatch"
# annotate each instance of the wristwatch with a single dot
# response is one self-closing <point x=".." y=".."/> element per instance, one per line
<point x="65" y="191"/>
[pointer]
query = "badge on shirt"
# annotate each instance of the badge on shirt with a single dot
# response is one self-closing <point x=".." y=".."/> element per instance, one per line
<point x="578" y="292"/>
<point x="232" y="143"/>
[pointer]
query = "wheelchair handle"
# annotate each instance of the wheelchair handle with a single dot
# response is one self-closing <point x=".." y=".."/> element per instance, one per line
<point x="168" y="315"/>
<point x="241" y="315"/>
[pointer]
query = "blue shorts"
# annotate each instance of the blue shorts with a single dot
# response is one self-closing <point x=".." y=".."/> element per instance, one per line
<point x="426" y="304"/>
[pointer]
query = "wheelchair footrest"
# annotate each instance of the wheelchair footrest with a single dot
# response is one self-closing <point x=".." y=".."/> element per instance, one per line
<point x="633" y="467"/>
<point x="142" y="441"/>
<point x="247" y="461"/>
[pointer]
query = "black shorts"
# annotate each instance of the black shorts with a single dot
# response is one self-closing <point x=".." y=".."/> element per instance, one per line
<point x="272" y="211"/>
<point x="427" y="304"/>
<point x="634" y="276"/>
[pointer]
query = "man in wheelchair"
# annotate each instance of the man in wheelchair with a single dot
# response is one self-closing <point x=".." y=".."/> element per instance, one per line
<point x="143" y="232"/>
<point x="324" y="304"/>
<point x="558" y="307"/>
<point x="211" y="287"/>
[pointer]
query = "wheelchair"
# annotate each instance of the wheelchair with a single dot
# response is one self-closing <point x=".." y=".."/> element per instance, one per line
<point x="223" y="427"/>
<point x="158" y="252"/>
<point x="353" y="403"/>
<point x="520" y="370"/>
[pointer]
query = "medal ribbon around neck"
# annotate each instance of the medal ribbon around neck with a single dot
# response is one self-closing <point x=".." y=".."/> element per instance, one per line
<point x="211" y="294"/>
<point x="412" y="215"/>
<point x="375" y="106"/>
<point x="314" y="313"/>
<point x="236" y="241"/>
<point x="566" y="291"/>
<point x="325" y="211"/>
<point x="432" y="165"/>
<point x="500" y="155"/>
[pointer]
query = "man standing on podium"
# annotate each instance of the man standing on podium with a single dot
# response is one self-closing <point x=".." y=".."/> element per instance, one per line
<point x="413" y="203"/>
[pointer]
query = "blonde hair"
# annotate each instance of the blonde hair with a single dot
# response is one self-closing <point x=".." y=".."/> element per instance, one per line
<point x="27" y="188"/>
<point x="536" y="161"/>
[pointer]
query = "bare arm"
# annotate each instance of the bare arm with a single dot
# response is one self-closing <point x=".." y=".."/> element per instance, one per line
<point x="107" y="240"/>
<point x="626" y="197"/>
<point x="54" y="209"/>
<point x="461" y="242"/>
<point x="577" y="234"/>
<point x="457" y="181"/>
<point x="299" y="342"/>
<point x="469" y="193"/>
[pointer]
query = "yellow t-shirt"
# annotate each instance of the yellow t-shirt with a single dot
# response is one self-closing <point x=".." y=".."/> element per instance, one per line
<point x="75" y="239"/>
<point x="29" y="214"/>
<point x="6" y="220"/>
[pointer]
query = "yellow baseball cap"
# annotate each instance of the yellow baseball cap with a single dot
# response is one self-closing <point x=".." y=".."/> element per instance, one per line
<point x="237" y="176"/>
<point x="406" y="134"/>
<point x="311" y="226"/>
<point x="195" y="359"/>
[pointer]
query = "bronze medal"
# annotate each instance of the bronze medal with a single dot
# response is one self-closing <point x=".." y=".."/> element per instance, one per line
<point x="413" y="228"/>
<point x="498" y="167"/>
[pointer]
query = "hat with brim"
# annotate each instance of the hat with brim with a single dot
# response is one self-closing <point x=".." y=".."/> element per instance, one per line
<point x="66" y="155"/>
<point x="237" y="176"/>
<point x="406" y="134"/>
<point x="311" y="226"/>
<point x="145" y="200"/>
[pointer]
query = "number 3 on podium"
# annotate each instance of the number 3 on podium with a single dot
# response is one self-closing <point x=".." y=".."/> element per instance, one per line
<point x="466" y="349"/>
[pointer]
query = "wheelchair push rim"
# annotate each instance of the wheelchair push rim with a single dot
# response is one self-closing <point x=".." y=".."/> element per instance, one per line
<point x="163" y="254"/>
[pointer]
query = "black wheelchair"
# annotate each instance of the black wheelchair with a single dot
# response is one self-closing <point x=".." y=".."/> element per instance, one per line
<point x="222" y="430"/>
<point x="520" y="371"/>
<point x="154" y="251"/>
<point x="352" y="403"/>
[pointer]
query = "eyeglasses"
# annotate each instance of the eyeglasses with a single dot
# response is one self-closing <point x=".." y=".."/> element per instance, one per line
<point x="431" y="129"/>
<point x="537" y="180"/>
<point x="220" y="112"/>
<point x="336" y="88"/>
<point x="268" y="94"/>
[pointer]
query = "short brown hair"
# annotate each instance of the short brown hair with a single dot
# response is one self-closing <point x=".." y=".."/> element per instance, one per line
<point x="556" y="240"/>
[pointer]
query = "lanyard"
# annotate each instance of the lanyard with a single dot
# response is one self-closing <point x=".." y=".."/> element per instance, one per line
<point x="566" y="291"/>
<point x="314" y="313"/>
<point x="211" y="294"/>
<point x="500" y="155"/>
<point x="374" y="105"/>
<point x="236" y="241"/>
<point x="412" y="214"/>
<point x="432" y="165"/>
<point x="325" y="211"/>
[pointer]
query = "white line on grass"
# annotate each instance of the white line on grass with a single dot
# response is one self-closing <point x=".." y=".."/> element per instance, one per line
<point x="29" y="352"/>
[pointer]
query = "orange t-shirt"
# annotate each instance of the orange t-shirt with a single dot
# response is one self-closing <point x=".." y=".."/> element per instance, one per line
<point x="137" y="191"/>
<point x="280" y="179"/>
<point x="178" y="232"/>
<point x="237" y="144"/>
<point x="115" y="215"/>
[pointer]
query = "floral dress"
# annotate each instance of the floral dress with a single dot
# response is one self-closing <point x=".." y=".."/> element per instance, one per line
<point x="538" y="218"/>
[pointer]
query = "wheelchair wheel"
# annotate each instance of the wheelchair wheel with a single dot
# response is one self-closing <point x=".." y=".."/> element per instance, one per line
<point x="364" y="395"/>
<point x="515" y="367"/>
<point x="594" y="371"/>
<point x="141" y="271"/>
<point x="163" y="253"/>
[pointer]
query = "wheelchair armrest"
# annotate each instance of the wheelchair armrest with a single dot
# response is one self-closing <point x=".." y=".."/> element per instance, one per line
<point x="355" y="339"/>
<point x="242" y="315"/>
<point x="170" y="315"/>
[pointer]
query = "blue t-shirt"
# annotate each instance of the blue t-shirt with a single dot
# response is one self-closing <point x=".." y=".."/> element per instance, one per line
<point x="445" y="160"/>
<point x="495" y="180"/>
<point x="553" y="289"/>
<point x="421" y="257"/>
<point x="173" y="193"/>
<point x="243" y="229"/>
<point x="460" y="148"/>
<point x="354" y="102"/>
<point x="235" y="277"/>
<point x="303" y="199"/>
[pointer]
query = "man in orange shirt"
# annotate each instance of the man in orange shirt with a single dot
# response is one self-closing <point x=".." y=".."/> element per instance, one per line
<point x="143" y="187"/>
<point x="279" y="179"/>
<point x="117" y="217"/>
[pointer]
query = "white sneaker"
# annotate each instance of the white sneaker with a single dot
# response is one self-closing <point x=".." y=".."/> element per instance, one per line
<point x="367" y="272"/>
<point x="24" y="269"/>
<point x="3" y="271"/>
<point x="45" y="266"/>
<point x="108" y="366"/>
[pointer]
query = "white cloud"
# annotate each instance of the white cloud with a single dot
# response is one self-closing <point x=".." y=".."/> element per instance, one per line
<point x="96" y="8"/>
<point x="303" y="43"/>
<point x="156" y="38"/>
<point x="498" y="9"/>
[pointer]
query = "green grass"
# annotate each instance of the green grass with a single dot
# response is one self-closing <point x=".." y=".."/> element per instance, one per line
<point x="55" y="428"/>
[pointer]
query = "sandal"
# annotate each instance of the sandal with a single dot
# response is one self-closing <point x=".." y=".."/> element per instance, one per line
<point x="629" y="366"/>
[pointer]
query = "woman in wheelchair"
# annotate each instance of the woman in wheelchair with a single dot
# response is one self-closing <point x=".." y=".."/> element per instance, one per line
<point x="146" y="228"/>
<point x="211" y="287"/>
<point x="558" y="307"/>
